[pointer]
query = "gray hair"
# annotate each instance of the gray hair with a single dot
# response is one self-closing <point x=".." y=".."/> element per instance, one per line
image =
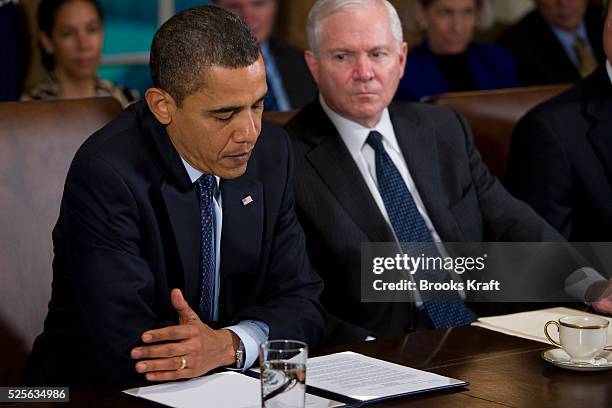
<point x="325" y="8"/>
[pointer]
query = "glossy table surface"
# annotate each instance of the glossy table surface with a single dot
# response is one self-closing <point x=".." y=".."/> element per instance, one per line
<point x="503" y="371"/>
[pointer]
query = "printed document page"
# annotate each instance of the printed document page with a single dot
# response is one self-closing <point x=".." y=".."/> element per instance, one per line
<point x="366" y="379"/>
<point x="530" y="325"/>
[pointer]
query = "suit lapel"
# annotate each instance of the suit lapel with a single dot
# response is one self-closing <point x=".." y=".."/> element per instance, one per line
<point x="598" y="107"/>
<point x="241" y="235"/>
<point x="333" y="162"/>
<point x="181" y="205"/>
<point x="594" y="28"/>
<point x="418" y="144"/>
<point x="184" y="213"/>
<point x="550" y="52"/>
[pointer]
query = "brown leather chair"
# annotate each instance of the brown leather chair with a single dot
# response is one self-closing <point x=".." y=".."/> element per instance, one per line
<point x="37" y="142"/>
<point x="492" y="116"/>
<point x="280" y="118"/>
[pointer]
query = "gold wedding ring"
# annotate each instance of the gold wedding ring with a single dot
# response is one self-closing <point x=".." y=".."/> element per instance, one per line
<point x="183" y="364"/>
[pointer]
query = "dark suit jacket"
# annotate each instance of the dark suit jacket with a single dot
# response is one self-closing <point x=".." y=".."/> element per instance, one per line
<point x="298" y="82"/>
<point x="491" y="66"/>
<point x="463" y="200"/>
<point x="540" y="56"/>
<point x="561" y="160"/>
<point x="129" y="232"/>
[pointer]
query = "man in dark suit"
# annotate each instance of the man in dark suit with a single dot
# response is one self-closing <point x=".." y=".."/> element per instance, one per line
<point x="561" y="156"/>
<point x="342" y="181"/>
<point x="289" y="81"/>
<point x="558" y="42"/>
<point x="162" y="198"/>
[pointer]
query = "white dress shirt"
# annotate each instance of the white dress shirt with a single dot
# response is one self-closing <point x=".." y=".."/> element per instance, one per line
<point x="609" y="69"/>
<point x="354" y="136"/>
<point x="251" y="332"/>
<point x="567" y="39"/>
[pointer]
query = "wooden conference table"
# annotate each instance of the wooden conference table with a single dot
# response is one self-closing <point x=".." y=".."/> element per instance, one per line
<point x="503" y="371"/>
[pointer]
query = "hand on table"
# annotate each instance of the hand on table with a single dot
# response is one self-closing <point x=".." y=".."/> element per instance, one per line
<point x="603" y="304"/>
<point x="202" y="348"/>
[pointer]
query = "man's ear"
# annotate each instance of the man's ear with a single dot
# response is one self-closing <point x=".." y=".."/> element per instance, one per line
<point x="161" y="104"/>
<point x="313" y="64"/>
<point x="402" y="56"/>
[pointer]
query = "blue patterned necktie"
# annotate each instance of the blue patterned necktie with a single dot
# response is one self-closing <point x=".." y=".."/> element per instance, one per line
<point x="409" y="226"/>
<point x="205" y="187"/>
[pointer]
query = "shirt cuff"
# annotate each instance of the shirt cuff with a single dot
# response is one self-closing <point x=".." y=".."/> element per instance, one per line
<point x="577" y="284"/>
<point x="252" y="333"/>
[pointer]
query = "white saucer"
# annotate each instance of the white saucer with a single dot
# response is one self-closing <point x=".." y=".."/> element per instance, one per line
<point x="561" y="359"/>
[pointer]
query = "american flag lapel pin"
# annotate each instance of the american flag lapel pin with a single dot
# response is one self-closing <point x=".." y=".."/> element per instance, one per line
<point x="247" y="200"/>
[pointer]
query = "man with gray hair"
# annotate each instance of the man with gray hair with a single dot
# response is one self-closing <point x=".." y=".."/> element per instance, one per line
<point x="371" y="171"/>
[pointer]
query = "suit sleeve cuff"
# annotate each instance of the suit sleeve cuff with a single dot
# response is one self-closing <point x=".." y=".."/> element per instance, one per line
<point x="252" y="333"/>
<point x="577" y="284"/>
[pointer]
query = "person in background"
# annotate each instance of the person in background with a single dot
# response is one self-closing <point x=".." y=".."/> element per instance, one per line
<point x="559" y="42"/>
<point x="448" y="60"/>
<point x="561" y="156"/>
<point x="71" y="38"/>
<point x="290" y="85"/>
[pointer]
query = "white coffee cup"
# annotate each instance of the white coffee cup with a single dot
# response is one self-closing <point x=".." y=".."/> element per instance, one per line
<point x="582" y="337"/>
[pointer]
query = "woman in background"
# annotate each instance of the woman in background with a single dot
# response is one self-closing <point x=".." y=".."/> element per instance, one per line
<point x="71" y="38"/>
<point x="448" y="60"/>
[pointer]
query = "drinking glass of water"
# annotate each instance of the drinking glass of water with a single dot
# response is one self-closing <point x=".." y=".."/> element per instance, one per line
<point x="283" y="373"/>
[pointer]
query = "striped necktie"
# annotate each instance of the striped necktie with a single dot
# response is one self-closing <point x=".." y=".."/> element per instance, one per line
<point x="586" y="60"/>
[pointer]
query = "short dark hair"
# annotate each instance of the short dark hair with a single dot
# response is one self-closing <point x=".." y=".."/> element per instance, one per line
<point x="45" y="17"/>
<point x="606" y="7"/>
<point x="194" y="40"/>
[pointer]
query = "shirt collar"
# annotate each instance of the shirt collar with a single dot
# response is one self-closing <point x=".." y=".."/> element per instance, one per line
<point x="609" y="69"/>
<point x="194" y="174"/>
<point x="568" y="37"/>
<point x="264" y="46"/>
<point x="354" y="135"/>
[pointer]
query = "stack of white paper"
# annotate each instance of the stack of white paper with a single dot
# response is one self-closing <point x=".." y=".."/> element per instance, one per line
<point x="227" y="389"/>
<point x="530" y="325"/>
